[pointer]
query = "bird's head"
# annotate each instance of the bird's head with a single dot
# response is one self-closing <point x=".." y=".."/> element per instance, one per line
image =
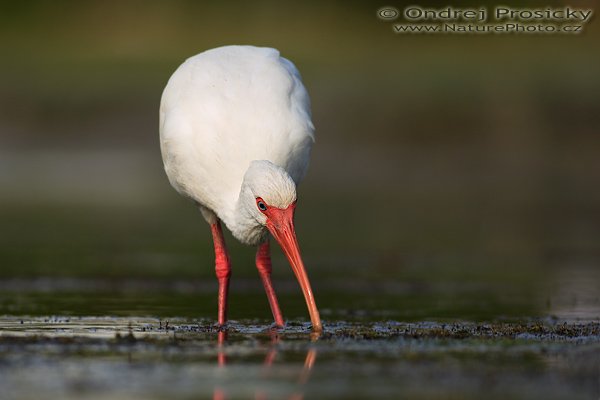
<point x="267" y="188"/>
<point x="268" y="198"/>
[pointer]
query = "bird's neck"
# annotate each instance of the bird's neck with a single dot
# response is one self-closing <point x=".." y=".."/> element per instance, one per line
<point x="242" y="222"/>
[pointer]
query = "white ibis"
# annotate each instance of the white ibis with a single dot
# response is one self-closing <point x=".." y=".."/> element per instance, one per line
<point x="236" y="135"/>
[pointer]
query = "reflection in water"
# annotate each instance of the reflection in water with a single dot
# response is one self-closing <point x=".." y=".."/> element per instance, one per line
<point x="219" y="393"/>
<point x="221" y="340"/>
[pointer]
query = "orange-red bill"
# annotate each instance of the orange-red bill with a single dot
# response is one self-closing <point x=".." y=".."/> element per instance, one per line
<point x="280" y="223"/>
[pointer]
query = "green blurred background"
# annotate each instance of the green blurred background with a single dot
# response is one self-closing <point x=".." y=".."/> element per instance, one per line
<point x="454" y="176"/>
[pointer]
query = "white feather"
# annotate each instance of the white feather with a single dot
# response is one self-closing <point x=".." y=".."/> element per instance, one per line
<point x="223" y="109"/>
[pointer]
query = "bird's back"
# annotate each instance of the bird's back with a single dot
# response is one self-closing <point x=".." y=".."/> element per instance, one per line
<point x="223" y="109"/>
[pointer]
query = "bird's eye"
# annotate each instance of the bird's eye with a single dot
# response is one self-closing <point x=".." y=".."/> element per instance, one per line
<point x="261" y="204"/>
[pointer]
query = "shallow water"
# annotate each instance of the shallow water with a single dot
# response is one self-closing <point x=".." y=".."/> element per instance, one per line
<point x="77" y="337"/>
<point x="85" y="313"/>
<point x="111" y="357"/>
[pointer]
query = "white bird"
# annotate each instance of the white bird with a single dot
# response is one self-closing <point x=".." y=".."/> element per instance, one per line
<point x="236" y="135"/>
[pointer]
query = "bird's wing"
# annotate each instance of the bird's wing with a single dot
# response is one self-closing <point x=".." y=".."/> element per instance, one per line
<point x="223" y="109"/>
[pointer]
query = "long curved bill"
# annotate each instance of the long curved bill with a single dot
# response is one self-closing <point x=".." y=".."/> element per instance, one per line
<point x="281" y="225"/>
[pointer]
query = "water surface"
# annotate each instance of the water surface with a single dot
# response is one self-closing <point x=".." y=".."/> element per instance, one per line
<point x="112" y="357"/>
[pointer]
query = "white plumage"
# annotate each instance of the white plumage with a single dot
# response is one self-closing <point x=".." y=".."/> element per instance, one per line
<point x="223" y="109"/>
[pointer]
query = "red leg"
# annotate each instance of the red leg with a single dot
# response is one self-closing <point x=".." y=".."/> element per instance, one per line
<point x="263" y="264"/>
<point x="222" y="269"/>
